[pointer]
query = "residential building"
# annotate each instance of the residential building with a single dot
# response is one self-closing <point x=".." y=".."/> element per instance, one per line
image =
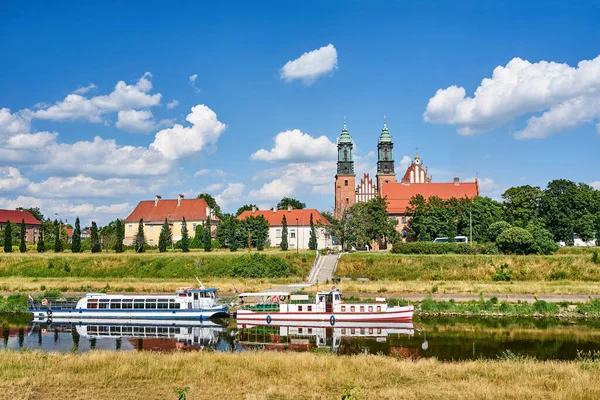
<point x="85" y="234"/>
<point x="298" y="222"/>
<point x="32" y="225"/>
<point x="416" y="180"/>
<point x="154" y="212"/>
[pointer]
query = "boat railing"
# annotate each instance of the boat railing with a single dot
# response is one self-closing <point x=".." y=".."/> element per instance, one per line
<point x="55" y="303"/>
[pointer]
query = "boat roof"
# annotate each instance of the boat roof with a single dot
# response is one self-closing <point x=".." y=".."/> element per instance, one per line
<point x="195" y="290"/>
<point x="264" y="294"/>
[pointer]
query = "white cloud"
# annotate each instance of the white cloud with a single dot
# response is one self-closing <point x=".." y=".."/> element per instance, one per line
<point x="213" y="188"/>
<point x="11" y="124"/>
<point x="82" y="186"/>
<point x="180" y="141"/>
<point x="315" y="173"/>
<point x="297" y="146"/>
<point x="84" y="89"/>
<point x="172" y="104"/>
<point x="570" y="94"/>
<point x="33" y="141"/>
<point x="123" y="97"/>
<point x="404" y="164"/>
<point x="309" y="66"/>
<point x="122" y="209"/>
<point x="135" y="121"/>
<point x="323" y="189"/>
<point x="231" y="194"/>
<point x="273" y="190"/>
<point x="595" y="185"/>
<point x="212" y="172"/>
<point x="193" y="79"/>
<point x="488" y="188"/>
<point x="11" y="179"/>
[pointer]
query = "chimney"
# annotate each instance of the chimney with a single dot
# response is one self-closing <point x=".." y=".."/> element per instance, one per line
<point x="156" y="199"/>
<point x="289" y="208"/>
<point x="274" y="210"/>
<point x="253" y="209"/>
<point x="179" y="198"/>
<point x="456" y="181"/>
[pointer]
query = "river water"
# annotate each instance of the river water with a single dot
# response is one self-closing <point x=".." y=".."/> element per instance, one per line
<point x="442" y="338"/>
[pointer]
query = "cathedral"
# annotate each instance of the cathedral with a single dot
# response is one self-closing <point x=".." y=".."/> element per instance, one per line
<point x="416" y="180"/>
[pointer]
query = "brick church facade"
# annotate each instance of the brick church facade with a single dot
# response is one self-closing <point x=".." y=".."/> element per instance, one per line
<point x="415" y="180"/>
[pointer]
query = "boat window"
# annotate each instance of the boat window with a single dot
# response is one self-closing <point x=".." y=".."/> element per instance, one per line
<point x="126" y="329"/>
<point x="299" y="308"/>
<point x="362" y="308"/>
<point x="127" y="304"/>
<point x="163" y="305"/>
<point x="309" y="308"/>
<point x="337" y="297"/>
<point x="343" y="308"/>
<point x="378" y="308"/>
<point x="139" y="300"/>
<point x="370" y="308"/>
<point x="150" y="304"/>
<point x="92" y="305"/>
<point x="174" y="305"/>
<point x="115" y="329"/>
<point x="139" y="304"/>
<point x="127" y="300"/>
<point x="195" y="296"/>
<point x="352" y="308"/>
<point x="114" y="304"/>
<point x="104" y="300"/>
<point x="103" y="305"/>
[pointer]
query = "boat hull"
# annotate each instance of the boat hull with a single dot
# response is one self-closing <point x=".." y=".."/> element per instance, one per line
<point x="392" y="314"/>
<point x="79" y="314"/>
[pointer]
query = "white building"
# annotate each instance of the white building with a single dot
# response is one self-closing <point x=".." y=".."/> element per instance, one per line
<point x="298" y="222"/>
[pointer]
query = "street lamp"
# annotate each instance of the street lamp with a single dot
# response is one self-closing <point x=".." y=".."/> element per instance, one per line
<point x="297" y="235"/>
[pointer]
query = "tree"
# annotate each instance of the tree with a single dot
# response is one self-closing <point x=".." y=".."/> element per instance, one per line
<point x="22" y="232"/>
<point x="58" y="247"/>
<point x="164" y="237"/>
<point x="312" y="241"/>
<point x="253" y="232"/>
<point x="208" y="237"/>
<point x="372" y="222"/>
<point x="199" y="237"/>
<point x="496" y="229"/>
<point x="140" y="239"/>
<point x="522" y="204"/>
<point x="8" y="238"/>
<point x="76" y="241"/>
<point x="41" y="247"/>
<point x="95" y="240"/>
<point x="119" y="235"/>
<point x="484" y="212"/>
<point x="229" y="232"/>
<point x="245" y="207"/>
<point x="515" y="240"/>
<point x="288" y="201"/>
<point x="543" y="242"/>
<point x="284" y="233"/>
<point x="185" y="237"/>
<point x="212" y="203"/>
<point x="585" y="227"/>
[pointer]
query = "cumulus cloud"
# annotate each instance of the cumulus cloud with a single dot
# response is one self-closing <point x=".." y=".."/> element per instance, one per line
<point x="135" y="121"/>
<point x="193" y="79"/>
<point x="11" y="179"/>
<point x="274" y="190"/>
<point x="316" y="173"/>
<point x="213" y="187"/>
<point x="123" y="97"/>
<point x="212" y="172"/>
<point x="33" y="141"/>
<point x="82" y="186"/>
<point x="231" y="194"/>
<point x="172" y="104"/>
<point x="11" y="124"/>
<point x="571" y="96"/>
<point x="595" y="185"/>
<point x="84" y="89"/>
<point x="323" y="189"/>
<point x="297" y="146"/>
<point x="180" y="141"/>
<point x="309" y="66"/>
<point x="404" y="164"/>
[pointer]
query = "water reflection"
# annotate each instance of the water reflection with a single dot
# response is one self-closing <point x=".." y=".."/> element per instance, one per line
<point x="444" y="339"/>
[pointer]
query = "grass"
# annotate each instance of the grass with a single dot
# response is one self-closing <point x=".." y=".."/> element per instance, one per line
<point x="452" y="267"/>
<point x="257" y="375"/>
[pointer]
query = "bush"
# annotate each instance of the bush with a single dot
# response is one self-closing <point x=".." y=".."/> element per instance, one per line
<point x="543" y="242"/>
<point x="443" y="248"/>
<point x="596" y="257"/>
<point x="495" y="229"/>
<point x="502" y="274"/>
<point x="515" y="241"/>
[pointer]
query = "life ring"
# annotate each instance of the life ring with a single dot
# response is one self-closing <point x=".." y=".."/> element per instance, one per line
<point x="45" y="302"/>
<point x="269" y="319"/>
<point x="282" y="298"/>
<point x="332" y="320"/>
<point x="274" y="299"/>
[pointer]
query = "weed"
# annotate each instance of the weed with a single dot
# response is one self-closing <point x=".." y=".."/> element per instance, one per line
<point x="349" y="392"/>
<point x="181" y="393"/>
<point x="588" y="359"/>
<point x="502" y="274"/>
<point x="508" y="355"/>
<point x="558" y="275"/>
<point x="382" y="290"/>
<point x="42" y="287"/>
<point x="596" y="257"/>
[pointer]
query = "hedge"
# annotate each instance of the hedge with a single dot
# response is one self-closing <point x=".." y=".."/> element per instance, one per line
<point x="443" y="248"/>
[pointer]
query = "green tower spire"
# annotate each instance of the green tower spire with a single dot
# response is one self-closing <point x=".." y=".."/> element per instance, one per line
<point x="385" y="146"/>
<point x="345" y="164"/>
<point x="385" y="136"/>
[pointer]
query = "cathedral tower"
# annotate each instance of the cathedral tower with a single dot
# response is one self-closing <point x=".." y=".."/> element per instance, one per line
<point x="345" y="179"/>
<point x="385" y="158"/>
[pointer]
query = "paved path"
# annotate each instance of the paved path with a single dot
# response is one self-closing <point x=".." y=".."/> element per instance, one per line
<point x="511" y="298"/>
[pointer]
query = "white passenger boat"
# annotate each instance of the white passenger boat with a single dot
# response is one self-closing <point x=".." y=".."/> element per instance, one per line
<point x="185" y="304"/>
<point x="327" y="306"/>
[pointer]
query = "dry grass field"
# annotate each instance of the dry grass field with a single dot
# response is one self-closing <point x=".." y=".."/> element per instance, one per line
<point x="213" y="375"/>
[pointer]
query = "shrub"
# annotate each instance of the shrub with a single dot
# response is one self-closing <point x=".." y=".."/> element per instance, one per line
<point x="495" y="229"/>
<point x="515" y="241"/>
<point x="543" y="242"/>
<point x="502" y="273"/>
<point x="442" y="248"/>
<point x="596" y="257"/>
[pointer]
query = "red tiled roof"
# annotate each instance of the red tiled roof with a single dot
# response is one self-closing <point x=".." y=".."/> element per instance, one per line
<point x="274" y="218"/>
<point x="69" y="232"/>
<point x="191" y="209"/>
<point x="399" y="194"/>
<point x="16" y="217"/>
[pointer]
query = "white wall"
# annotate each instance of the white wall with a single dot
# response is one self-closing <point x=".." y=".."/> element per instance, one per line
<point x="302" y="234"/>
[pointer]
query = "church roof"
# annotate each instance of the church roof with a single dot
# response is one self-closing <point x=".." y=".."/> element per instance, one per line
<point x="345" y="137"/>
<point x="385" y="136"/>
<point x="399" y="194"/>
<point x="153" y="211"/>
<point x="274" y="217"/>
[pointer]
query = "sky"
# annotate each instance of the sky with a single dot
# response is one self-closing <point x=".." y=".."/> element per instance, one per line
<point x="105" y="105"/>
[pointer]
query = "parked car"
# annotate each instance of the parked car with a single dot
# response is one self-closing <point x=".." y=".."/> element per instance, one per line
<point x="457" y="239"/>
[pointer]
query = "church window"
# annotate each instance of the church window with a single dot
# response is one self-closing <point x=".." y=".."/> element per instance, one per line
<point x="347" y="200"/>
<point x="277" y="233"/>
<point x="346" y="182"/>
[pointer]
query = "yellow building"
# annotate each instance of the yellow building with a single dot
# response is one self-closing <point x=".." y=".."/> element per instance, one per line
<point x="154" y="213"/>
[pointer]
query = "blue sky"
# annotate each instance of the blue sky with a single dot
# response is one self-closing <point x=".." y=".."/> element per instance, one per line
<point x="75" y="141"/>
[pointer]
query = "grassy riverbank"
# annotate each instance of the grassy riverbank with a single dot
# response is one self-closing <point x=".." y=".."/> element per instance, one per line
<point x="27" y="375"/>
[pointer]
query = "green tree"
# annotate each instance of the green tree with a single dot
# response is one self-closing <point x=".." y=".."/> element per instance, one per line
<point x="372" y="222"/>
<point x="522" y="204"/>
<point x="41" y="247"/>
<point x="119" y="235"/>
<point x="22" y="242"/>
<point x="484" y="212"/>
<point x="8" y="238"/>
<point x="76" y="241"/>
<point x="253" y="232"/>
<point x="185" y="236"/>
<point x="543" y="242"/>
<point x="140" y="239"/>
<point x="245" y="207"/>
<point x="288" y="201"/>
<point x="496" y="229"/>
<point x="96" y="246"/>
<point x="515" y="240"/>
<point x="58" y="247"/>
<point x="284" y="233"/>
<point x="343" y="230"/>
<point x="208" y="237"/>
<point x="557" y="208"/>
<point x="212" y="203"/>
<point x="312" y="241"/>
<point x="199" y="237"/>
<point x="585" y="227"/>
<point x="229" y="232"/>
<point x="165" y="237"/>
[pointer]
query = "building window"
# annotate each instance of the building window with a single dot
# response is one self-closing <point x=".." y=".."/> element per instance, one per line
<point x="194" y="227"/>
<point x="403" y="220"/>
<point x="292" y="234"/>
<point x="277" y="233"/>
<point x="347" y="200"/>
<point x="151" y="228"/>
<point x="130" y="228"/>
<point x="346" y="182"/>
<point x="403" y="233"/>
<point x="151" y="242"/>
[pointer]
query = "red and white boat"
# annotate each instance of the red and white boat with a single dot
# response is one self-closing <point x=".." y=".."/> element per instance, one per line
<point x="327" y="306"/>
